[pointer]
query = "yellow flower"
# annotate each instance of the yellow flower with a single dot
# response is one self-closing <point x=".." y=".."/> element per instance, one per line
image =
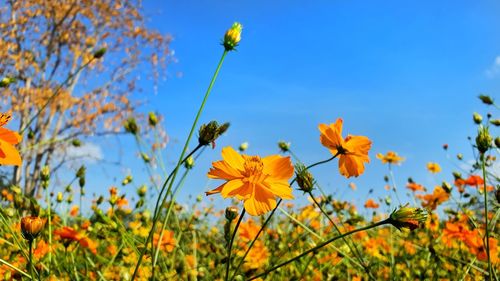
<point x="353" y="150"/>
<point x="391" y="157"/>
<point x="255" y="180"/>
<point x="8" y="153"/>
<point x="433" y="167"/>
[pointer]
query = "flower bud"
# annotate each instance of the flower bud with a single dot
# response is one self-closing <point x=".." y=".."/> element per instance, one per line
<point x="232" y="36"/>
<point x="243" y="146"/>
<point x="189" y="163"/>
<point x="305" y="179"/>
<point x="486" y="99"/>
<point x="208" y="133"/>
<point x="483" y="139"/>
<point x="141" y="191"/>
<point x="59" y="197"/>
<point x="460" y="156"/>
<point x="153" y="119"/>
<point x="76" y="143"/>
<point x="6" y="81"/>
<point x="495" y="122"/>
<point x="128" y="179"/>
<point x="31" y="227"/>
<point x="497" y="142"/>
<point x="100" y="53"/>
<point x="231" y="213"/>
<point x="477" y="118"/>
<point x="446" y="187"/>
<point x="284" y="146"/>
<point x="407" y="217"/>
<point x="131" y="126"/>
<point x="45" y="173"/>
<point x="145" y="157"/>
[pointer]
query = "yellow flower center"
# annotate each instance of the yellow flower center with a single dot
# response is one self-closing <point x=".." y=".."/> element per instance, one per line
<point x="253" y="168"/>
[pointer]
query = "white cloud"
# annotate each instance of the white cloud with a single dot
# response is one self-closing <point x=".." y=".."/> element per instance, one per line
<point x="88" y="152"/>
<point x="494" y="69"/>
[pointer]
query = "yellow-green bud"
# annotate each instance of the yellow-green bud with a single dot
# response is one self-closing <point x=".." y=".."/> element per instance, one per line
<point x="6" y="81"/>
<point x="232" y="36"/>
<point x="495" y="122"/>
<point x="460" y="156"/>
<point x="141" y="191"/>
<point x="457" y="175"/>
<point x="145" y="157"/>
<point x="477" y="118"/>
<point x="231" y="213"/>
<point x="284" y="146"/>
<point x="407" y="217"/>
<point x="305" y="179"/>
<point x="243" y="146"/>
<point x="59" y="197"/>
<point x="76" y="143"/>
<point x="153" y="119"/>
<point x="446" y="186"/>
<point x="497" y="142"/>
<point x="131" y="126"/>
<point x="70" y="199"/>
<point x="483" y="139"/>
<point x="128" y="179"/>
<point x="99" y="200"/>
<point x="189" y="163"/>
<point x="100" y="53"/>
<point x="486" y="99"/>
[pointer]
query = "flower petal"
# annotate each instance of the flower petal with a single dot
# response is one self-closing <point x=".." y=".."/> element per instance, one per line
<point x="9" y="136"/>
<point x="233" y="188"/>
<point x="233" y="158"/>
<point x="262" y="202"/>
<point x="350" y="165"/>
<point x="281" y="189"/>
<point x="222" y="170"/>
<point x="278" y="167"/>
<point x="9" y="154"/>
<point x="359" y="145"/>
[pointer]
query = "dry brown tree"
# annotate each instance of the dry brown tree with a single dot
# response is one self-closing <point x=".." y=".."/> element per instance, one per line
<point x="58" y="82"/>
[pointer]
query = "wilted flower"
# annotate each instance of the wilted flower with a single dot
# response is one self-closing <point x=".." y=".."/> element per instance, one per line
<point x="255" y="180"/>
<point x="208" y="133"/>
<point x="408" y="217"/>
<point x="352" y="151"/>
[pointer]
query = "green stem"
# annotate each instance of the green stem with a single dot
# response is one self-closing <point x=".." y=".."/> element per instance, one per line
<point x="490" y="269"/>
<point x="355" y="251"/>
<point x="319" y="246"/>
<point x="228" y="262"/>
<point x="30" y="263"/>
<point x="272" y="213"/>
<point x="181" y="157"/>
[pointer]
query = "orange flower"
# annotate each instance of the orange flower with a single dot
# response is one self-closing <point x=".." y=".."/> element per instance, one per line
<point x="391" y="157"/>
<point x="371" y="204"/>
<point x="433" y="167"/>
<point x="167" y="241"/>
<point x="255" y="180"/>
<point x="474" y="180"/>
<point x="353" y="150"/>
<point x="415" y="186"/>
<point x="8" y="153"/>
<point x="74" y="211"/>
<point x="438" y="196"/>
<point x="68" y="234"/>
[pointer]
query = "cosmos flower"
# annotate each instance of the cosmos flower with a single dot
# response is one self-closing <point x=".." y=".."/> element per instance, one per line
<point x="352" y="151"/>
<point x="254" y="180"/>
<point x="390" y="157"/>
<point x="8" y="153"/>
<point x="433" y="167"/>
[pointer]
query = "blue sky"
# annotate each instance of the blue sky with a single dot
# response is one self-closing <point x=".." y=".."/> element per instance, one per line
<point x="404" y="73"/>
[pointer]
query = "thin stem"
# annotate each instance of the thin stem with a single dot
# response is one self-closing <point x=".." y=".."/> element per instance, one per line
<point x="319" y="246"/>
<point x="30" y="263"/>
<point x="272" y="213"/>
<point x="228" y="264"/>
<point x="483" y="166"/>
<point x="356" y="252"/>
<point x="181" y="157"/>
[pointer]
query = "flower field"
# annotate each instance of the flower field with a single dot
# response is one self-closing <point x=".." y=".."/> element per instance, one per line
<point x="278" y="222"/>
